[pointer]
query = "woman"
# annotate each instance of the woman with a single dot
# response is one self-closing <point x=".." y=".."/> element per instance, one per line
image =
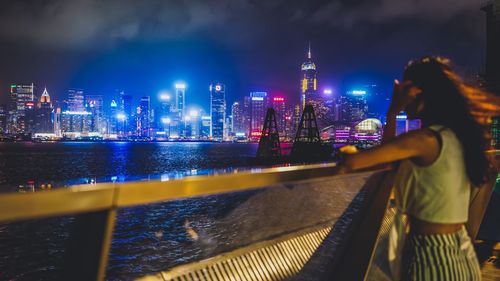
<point x="437" y="165"/>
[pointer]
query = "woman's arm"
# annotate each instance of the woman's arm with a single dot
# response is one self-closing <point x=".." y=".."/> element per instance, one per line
<point x="420" y="145"/>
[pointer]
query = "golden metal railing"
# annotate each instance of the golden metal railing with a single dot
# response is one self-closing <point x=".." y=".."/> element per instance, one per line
<point x="96" y="207"/>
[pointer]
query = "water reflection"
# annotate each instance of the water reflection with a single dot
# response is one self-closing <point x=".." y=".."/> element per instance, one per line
<point x="36" y="186"/>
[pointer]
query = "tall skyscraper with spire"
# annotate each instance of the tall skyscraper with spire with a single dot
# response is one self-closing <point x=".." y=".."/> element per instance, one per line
<point x="44" y="121"/>
<point x="308" y="79"/>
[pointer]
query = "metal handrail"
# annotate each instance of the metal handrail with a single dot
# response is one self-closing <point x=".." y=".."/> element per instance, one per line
<point x="96" y="206"/>
<point x="89" y="198"/>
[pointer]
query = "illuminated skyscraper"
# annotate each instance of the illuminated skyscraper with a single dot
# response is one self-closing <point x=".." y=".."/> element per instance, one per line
<point x="126" y="124"/>
<point x="217" y="110"/>
<point x="308" y="79"/>
<point x="404" y="125"/>
<point x="76" y="100"/>
<point x="44" y="119"/>
<point x="206" y="124"/>
<point x="238" y="113"/>
<point x="95" y="105"/>
<point x="278" y="104"/>
<point x="23" y="99"/>
<point x="74" y="123"/>
<point x="3" y="119"/>
<point x="180" y="99"/>
<point x="258" y="108"/>
<point x="353" y="107"/>
<point x="144" y="117"/>
<point x="113" y="118"/>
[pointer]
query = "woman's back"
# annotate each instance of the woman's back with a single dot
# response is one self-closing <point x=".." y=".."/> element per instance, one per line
<point x="439" y="192"/>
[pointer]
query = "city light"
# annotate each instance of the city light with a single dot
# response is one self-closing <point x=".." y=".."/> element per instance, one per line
<point x="278" y="99"/>
<point x="121" y="116"/>
<point x="180" y="86"/>
<point x="113" y="103"/>
<point x="218" y="87"/>
<point x="164" y="96"/>
<point x="166" y="120"/>
<point x="358" y="92"/>
<point x="327" y="91"/>
<point x="194" y="113"/>
<point x="257" y="98"/>
<point x="76" y="113"/>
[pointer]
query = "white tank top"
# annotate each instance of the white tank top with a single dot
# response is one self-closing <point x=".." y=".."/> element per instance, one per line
<point x="439" y="192"/>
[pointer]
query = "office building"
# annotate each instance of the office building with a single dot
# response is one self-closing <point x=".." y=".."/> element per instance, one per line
<point x="22" y="104"/>
<point x="3" y="119"/>
<point x="126" y="122"/>
<point x="95" y="105"/>
<point x="44" y="114"/>
<point x="180" y="100"/>
<point x="353" y="107"/>
<point x="258" y="108"/>
<point x="75" y="123"/>
<point x="206" y="125"/>
<point x="144" y="117"/>
<point x="217" y="110"/>
<point x="308" y="81"/>
<point x="76" y="100"/>
<point x="279" y="106"/>
<point x="238" y="119"/>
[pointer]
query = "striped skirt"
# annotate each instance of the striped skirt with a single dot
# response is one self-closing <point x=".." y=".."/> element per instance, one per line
<point x="442" y="257"/>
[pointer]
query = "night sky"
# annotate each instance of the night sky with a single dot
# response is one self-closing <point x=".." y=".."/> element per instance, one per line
<point x="145" y="46"/>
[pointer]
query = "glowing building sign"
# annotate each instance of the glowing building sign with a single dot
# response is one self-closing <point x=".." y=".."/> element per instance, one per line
<point x="76" y="113"/>
<point x="279" y="99"/>
<point x="180" y="86"/>
<point x="165" y="97"/>
<point x="258" y="98"/>
<point x="358" y="92"/>
<point x="218" y="87"/>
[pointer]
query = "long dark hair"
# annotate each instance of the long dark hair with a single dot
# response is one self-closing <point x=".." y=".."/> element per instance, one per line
<point x="448" y="101"/>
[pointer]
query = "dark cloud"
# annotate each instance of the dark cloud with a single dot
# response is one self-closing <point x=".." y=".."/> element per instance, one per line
<point x="77" y="23"/>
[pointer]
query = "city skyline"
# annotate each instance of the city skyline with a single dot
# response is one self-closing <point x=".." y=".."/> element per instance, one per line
<point x="211" y="44"/>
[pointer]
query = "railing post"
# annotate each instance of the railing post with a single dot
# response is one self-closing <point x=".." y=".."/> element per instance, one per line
<point x="356" y="252"/>
<point x="87" y="252"/>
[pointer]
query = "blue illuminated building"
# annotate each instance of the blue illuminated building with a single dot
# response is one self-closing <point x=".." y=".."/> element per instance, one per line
<point x="353" y="107"/>
<point x="217" y="110"/>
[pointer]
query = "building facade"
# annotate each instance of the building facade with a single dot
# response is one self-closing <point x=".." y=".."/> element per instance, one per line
<point x="44" y="114"/>
<point x="95" y="105"/>
<point x="308" y="82"/>
<point x="217" y="110"/>
<point x="258" y="107"/>
<point x="22" y="104"/>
